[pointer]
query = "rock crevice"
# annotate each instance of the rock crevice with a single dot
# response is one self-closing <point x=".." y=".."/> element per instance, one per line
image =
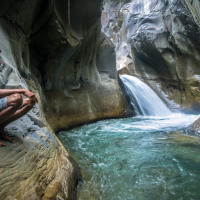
<point x="159" y="42"/>
<point x="55" y="49"/>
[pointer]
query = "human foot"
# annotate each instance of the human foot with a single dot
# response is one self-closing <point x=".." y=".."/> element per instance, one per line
<point x="2" y="144"/>
<point x="5" y="136"/>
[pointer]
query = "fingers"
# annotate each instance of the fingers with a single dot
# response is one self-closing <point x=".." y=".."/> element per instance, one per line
<point x="29" y="102"/>
<point x="31" y="96"/>
<point x="35" y="99"/>
<point x="26" y="101"/>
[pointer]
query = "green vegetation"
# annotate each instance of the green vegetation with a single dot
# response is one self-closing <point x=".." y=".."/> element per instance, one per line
<point x="120" y="20"/>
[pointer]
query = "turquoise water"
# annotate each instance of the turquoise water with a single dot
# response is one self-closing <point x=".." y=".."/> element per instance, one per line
<point x="140" y="158"/>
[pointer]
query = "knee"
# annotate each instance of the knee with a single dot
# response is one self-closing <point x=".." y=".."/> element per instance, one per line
<point x="17" y="100"/>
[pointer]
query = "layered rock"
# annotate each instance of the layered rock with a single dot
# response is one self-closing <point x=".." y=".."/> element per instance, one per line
<point x="159" y="41"/>
<point x="55" y="49"/>
<point x="36" y="165"/>
<point x="76" y="66"/>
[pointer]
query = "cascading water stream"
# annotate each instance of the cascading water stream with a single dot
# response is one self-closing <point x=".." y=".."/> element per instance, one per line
<point x="137" y="158"/>
<point x="143" y="99"/>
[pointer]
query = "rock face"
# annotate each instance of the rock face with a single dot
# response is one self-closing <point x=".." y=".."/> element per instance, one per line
<point x="76" y="66"/>
<point x="36" y="165"/>
<point x="159" y="41"/>
<point x="194" y="129"/>
<point x="57" y="50"/>
<point x="90" y="103"/>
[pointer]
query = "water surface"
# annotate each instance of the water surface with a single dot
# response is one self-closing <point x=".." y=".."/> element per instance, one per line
<point x="139" y="158"/>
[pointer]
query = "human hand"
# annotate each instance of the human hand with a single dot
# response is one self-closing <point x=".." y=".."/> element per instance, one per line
<point x="27" y="101"/>
<point x="30" y="95"/>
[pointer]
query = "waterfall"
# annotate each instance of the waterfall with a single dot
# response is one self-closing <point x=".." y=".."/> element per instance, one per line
<point x="143" y="99"/>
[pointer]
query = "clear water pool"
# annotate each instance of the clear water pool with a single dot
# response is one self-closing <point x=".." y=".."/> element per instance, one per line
<point x="140" y="158"/>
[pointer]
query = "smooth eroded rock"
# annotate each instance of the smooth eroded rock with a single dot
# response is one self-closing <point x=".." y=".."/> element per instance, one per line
<point x="159" y="41"/>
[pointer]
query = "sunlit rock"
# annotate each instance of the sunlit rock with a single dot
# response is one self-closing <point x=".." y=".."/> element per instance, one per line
<point x="158" y="41"/>
<point x="36" y="165"/>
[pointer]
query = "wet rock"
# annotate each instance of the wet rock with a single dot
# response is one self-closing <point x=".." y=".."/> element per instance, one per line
<point x="194" y="129"/>
<point x="159" y="42"/>
<point x="79" y="78"/>
<point x="56" y="50"/>
<point x="89" y="104"/>
<point x="35" y="165"/>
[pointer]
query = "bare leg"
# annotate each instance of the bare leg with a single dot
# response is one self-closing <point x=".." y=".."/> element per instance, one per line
<point x="27" y="106"/>
<point x="8" y="112"/>
<point x="14" y="102"/>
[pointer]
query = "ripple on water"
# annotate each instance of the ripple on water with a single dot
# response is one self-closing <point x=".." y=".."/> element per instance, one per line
<point x="136" y="158"/>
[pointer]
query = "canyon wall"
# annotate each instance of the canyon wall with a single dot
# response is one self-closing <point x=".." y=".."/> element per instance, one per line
<point x="36" y="165"/>
<point x="55" y="49"/>
<point x="159" y="42"/>
<point x="76" y="66"/>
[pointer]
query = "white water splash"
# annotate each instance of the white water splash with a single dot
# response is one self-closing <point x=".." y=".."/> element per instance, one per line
<point x="143" y="98"/>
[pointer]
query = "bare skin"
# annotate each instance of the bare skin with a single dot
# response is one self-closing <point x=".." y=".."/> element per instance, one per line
<point x="14" y="110"/>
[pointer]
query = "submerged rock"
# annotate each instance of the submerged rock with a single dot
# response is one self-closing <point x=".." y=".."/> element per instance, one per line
<point x="194" y="129"/>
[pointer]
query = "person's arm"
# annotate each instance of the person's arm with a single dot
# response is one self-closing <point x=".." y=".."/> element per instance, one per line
<point x="27" y="93"/>
<point x="7" y="92"/>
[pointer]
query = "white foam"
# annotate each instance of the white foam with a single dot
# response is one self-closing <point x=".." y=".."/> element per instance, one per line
<point x="144" y="100"/>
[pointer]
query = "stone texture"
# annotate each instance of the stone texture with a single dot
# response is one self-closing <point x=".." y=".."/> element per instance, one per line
<point x="56" y="49"/>
<point x="36" y="165"/>
<point x="92" y="102"/>
<point x="194" y="129"/>
<point x="72" y="71"/>
<point x="159" y="41"/>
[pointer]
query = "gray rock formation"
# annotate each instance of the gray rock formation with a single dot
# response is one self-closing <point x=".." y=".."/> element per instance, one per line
<point x="159" y="41"/>
<point x="76" y="66"/>
<point x="194" y="129"/>
<point x="36" y="165"/>
<point x="55" y="49"/>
